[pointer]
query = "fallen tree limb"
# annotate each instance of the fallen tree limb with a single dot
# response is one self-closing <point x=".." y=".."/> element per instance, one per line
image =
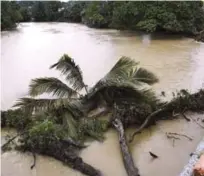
<point x="127" y="158"/>
<point x="198" y="124"/>
<point x="76" y="163"/>
<point x="185" y="117"/>
<point x="60" y="151"/>
<point x="13" y="138"/>
<point x="177" y="134"/>
<point x="188" y="102"/>
<point x="66" y="155"/>
<point x="194" y="120"/>
<point x="172" y="137"/>
<point x="34" y="161"/>
<point x="145" y="123"/>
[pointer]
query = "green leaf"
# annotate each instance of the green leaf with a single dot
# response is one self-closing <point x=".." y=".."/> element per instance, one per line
<point x="52" y="85"/>
<point x="127" y="70"/>
<point x="71" y="125"/>
<point x="142" y="75"/>
<point x="31" y="104"/>
<point x="72" y="71"/>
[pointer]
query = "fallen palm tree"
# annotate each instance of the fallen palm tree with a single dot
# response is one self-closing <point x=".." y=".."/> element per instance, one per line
<point x="59" y="127"/>
<point x="180" y="104"/>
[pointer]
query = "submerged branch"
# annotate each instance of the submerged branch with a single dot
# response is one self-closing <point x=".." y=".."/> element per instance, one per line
<point x="34" y="161"/>
<point x="188" y="102"/>
<point x="68" y="156"/>
<point x="177" y="134"/>
<point x="145" y="123"/>
<point x="13" y="138"/>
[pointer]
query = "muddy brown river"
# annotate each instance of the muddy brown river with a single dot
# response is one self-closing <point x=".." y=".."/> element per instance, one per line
<point x="28" y="52"/>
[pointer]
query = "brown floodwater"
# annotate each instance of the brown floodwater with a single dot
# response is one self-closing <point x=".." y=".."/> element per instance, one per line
<point x="28" y="52"/>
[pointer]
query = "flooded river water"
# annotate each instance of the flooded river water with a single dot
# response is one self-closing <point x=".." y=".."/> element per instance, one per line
<point x="178" y="62"/>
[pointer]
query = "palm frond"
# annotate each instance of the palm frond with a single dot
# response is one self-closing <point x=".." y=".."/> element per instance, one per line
<point x="37" y="105"/>
<point x="72" y="71"/>
<point x="119" y="71"/>
<point x="94" y="128"/>
<point x="52" y="85"/>
<point x="71" y="124"/>
<point x="116" y="91"/>
<point x="143" y="75"/>
<point x="127" y="70"/>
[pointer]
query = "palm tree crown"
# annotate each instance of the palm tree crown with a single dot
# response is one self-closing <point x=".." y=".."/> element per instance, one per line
<point x="123" y="82"/>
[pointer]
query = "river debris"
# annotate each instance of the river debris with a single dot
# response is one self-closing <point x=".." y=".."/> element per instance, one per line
<point x="176" y="136"/>
<point x="59" y="127"/>
<point x="184" y="101"/>
<point x="196" y="121"/>
<point x="34" y="160"/>
<point x="170" y="134"/>
<point x="173" y="138"/>
<point x="55" y="143"/>
<point x="153" y="155"/>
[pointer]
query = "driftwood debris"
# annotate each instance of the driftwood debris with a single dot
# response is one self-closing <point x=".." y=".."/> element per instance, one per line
<point x="131" y="169"/>
<point x="12" y="139"/>
<point x="173" y="138"/>
<point x="178" y="134"/>
<point x="188" y="102"/>
<point x="153" y="155"/>
<point x="59" y="152"/>
<point x="62" y="152"/>
<point x="34" y="160"/>
<point x="145" y="123"/>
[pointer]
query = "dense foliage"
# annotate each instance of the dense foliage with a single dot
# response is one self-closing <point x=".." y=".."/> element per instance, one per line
<point x="59" y="126"/>
<point x="186" y="17"/>
<point x="170" y="16"/>
<point x="46" y="11"/>
<point x="10" y="14"/>
<point x="53" y="125"/>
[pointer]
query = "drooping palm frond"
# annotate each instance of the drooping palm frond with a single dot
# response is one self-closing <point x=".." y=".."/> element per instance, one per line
<point x="31" y="104"/>
<point x="116" y="92"/>
<point x="127" y="70"/>
<point x="72" y="71"/>
<point x="119" y="71"/>
<point x="143" y="75"/>
<point x="71" y="124"/>
<point x="52" y="85"/>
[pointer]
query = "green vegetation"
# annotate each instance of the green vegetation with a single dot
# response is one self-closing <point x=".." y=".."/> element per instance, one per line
<point x="71" y="108"/>
<point x="168" y="16"/>
<point x="10" y="14"/>
<point x="184" y="17"/>
<point x="60" y="126"/>
<point x="46" y="11"/>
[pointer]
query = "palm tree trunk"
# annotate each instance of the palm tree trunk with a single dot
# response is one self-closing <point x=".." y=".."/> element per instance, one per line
<point x="131" y="169"/>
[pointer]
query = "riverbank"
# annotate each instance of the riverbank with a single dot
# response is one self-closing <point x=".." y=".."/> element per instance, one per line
<point x="185" y="18"/>
<point x="156" y="34"/>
